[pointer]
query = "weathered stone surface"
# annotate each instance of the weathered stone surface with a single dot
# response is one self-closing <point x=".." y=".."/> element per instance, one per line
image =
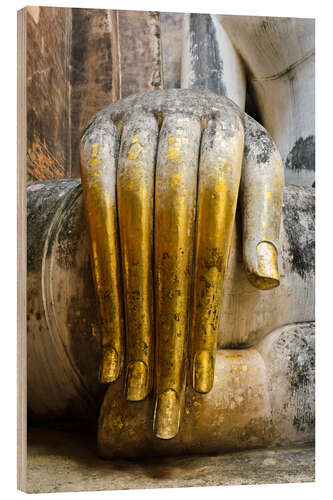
<point x="140" y="51"/>
<point x="40" y="211"/>
<point x="114" y="54"/>
<point x="206" y="66"/>
<point x="279" y="54"/>
<point x="270" y="45"/>
<point x="95" y="70"/>
<point x="172" y="48"/>
<point x="63" y="393"/>
<point x="289" y="355"/>
<point x="261" y="397"/>
<point x="73" y="70"/>
<point x="196" y="103"/>
<point x="64" y="460"/>
<point x="48" y="92"/>
<point x="249" y="314"/>
<point x="210" y="61"/>
<point x="299" y="228"/>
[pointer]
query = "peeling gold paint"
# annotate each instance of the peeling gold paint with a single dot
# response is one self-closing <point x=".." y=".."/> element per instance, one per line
<point x="135" y="191"/>
<point x="94" y="162"/>
<point x="102" y="222"/>
<point x="173" y="153"/>
<point x="221" y="186"/>
<point x="94" y="158"/>
<point x="176" y="177"/>
<point x="216" y="208"/>
<point x="134" y="151"/>
<point x="174" y="180"/>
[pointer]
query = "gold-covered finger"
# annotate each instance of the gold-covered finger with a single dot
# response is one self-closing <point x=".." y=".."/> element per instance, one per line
<point x="98" y="153"/>
<point x="175" y="201"/>
<point x="135" y="191"/>
<point x="219" y="177"/>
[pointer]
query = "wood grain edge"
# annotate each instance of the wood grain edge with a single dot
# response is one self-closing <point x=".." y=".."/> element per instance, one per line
<point x="21" y="252"/>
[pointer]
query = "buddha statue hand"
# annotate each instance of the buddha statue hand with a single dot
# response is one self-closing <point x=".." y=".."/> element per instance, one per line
<point x="162" y="172"/>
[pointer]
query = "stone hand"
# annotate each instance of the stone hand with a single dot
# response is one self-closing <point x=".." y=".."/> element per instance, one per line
<point x="162" y="173"/>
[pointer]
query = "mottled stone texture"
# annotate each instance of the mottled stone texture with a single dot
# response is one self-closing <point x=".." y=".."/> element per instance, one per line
<point x="48" y="92"/>
<point x="206" y="64"/>
<point x="172" y="45"/>
<point x="94" y="69"/>
<point x="279" y="54"/>
<point x="140" y="51"/>
<point x="79" y="61"/>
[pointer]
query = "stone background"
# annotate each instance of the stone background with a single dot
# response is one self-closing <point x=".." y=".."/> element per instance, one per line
<point x="74" y="69"/>
<point x="80" y="60"/>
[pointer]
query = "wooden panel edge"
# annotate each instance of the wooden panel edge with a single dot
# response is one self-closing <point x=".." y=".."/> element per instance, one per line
<point x="21" y="253"/>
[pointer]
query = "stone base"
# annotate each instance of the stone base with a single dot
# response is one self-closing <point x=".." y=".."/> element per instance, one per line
<point x="63" y="460"/>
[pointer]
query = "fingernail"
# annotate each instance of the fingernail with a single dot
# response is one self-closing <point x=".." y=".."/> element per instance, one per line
<point x="203" y="371"/>
<point x="137" y="378"/>
<point x="109" y="370"/>
<point x="267" y="265"/>
<point x="167" y="414"/>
